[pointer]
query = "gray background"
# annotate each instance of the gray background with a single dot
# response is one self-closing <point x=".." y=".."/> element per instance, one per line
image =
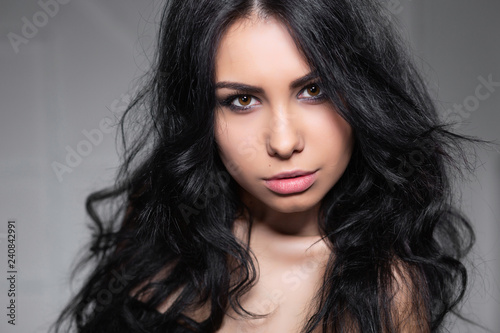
<point x="79" y="68"/>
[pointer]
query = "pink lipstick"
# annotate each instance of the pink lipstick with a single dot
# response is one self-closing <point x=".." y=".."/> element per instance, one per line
<point x="291" y="182"/>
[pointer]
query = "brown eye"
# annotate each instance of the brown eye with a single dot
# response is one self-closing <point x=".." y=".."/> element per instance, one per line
<point x="239" y="103"/>
<point x="312" y="93"/>
<point x="244" y="100"/>
<point x="313" y="90"/>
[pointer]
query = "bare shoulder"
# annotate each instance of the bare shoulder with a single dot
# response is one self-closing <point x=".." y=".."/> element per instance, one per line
<point x="408" y="295"/>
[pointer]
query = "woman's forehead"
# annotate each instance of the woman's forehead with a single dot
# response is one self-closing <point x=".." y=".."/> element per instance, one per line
<point x="257" y="47"/>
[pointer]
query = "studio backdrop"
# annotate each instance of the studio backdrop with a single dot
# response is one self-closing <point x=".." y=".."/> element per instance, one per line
<point x="68" y="68"/>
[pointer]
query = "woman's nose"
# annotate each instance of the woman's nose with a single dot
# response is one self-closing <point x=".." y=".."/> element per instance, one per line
<point x="284" y="136"/>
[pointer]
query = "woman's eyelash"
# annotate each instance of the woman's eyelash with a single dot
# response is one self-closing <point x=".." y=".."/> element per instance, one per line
<point x="313" y="86"/>
<point x="229" y="100"/>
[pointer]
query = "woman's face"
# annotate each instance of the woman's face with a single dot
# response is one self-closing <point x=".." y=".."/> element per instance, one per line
<point x="278" y="135"/>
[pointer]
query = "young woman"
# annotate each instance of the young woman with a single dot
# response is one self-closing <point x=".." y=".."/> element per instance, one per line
<point x="287" y="173"/>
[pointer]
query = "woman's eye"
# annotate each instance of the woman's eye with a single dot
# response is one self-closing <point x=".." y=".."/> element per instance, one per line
<point x="243" y="100"/>
<point x="311" y="91"/>
<point x="239" y="103"/>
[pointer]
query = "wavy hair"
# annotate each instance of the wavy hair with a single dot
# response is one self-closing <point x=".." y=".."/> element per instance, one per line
<point x="390" y="220"/>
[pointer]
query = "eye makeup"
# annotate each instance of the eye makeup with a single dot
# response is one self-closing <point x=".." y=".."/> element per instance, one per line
<point x="242" y="100"/>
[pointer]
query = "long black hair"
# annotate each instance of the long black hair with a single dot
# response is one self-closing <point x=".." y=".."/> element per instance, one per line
<point x="390" y="221"/>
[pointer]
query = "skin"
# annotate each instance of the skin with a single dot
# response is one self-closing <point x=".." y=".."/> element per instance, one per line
<point x="282" y="128"/>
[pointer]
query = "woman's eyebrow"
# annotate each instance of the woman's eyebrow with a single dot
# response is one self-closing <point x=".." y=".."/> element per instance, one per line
<point x="240" y="87"/>
<point x="297" y="83"/>
<point x="301" y="81"/>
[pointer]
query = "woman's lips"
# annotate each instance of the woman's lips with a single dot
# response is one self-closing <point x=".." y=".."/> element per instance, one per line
<point x="297" y="184"/>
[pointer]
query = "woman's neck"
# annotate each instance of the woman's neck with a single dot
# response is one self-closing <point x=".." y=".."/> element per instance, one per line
<point x="281" y="224"/>
<point x="291" y="248"/>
